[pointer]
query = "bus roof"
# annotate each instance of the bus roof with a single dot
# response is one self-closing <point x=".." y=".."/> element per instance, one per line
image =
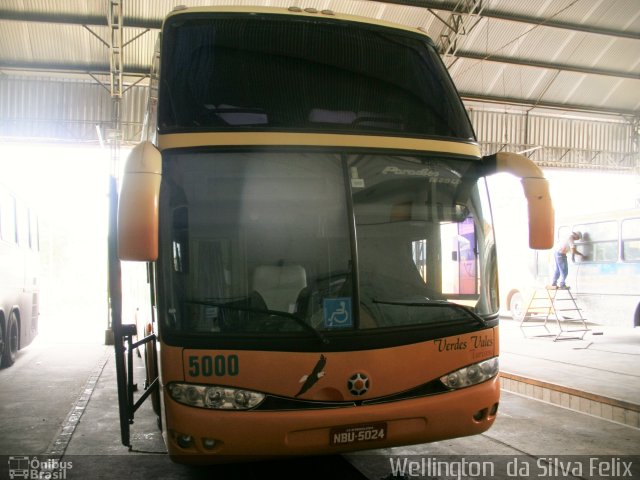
<point x="617" y="214"/>
<point x="295" y="11"/>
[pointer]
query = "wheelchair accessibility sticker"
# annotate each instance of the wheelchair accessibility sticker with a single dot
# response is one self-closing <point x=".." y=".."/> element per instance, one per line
<point x="337" y="313"/>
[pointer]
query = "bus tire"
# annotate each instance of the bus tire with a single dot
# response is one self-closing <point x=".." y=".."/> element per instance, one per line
<point x="516" y="306"/>
<point x="2" y="337"/>
<point x="10" y="341"/>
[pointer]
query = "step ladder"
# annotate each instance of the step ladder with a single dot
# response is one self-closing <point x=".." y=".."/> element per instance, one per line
<point x="549" y="304"/>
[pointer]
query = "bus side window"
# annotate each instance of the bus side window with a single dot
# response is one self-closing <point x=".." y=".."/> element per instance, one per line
<point x="631" y="240"/>
<point x="599" y="241"/>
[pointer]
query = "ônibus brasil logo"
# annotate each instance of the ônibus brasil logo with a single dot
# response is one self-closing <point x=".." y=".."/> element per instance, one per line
<point x="34" y="468"/>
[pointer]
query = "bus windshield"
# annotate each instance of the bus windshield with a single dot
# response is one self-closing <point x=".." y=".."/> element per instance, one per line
<point x="283" y="72"/>
<point x="265" y="242"/>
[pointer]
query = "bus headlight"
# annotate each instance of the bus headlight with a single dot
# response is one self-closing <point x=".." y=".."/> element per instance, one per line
<point x="214" y="397"/>
<point x="471" y="375"/>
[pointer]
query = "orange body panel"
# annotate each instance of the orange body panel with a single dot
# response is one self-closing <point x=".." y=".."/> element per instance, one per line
<point x="303" y="432"/>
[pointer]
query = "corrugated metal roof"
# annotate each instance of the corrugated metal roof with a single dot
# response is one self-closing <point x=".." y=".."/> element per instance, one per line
<point x="52" y="35"/>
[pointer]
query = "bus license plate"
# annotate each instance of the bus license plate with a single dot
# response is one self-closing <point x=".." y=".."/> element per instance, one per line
<point x="358" y="434"/>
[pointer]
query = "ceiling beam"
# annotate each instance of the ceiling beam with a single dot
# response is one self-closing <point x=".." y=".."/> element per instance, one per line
<point x="74" y="68"/>
<point x="513" y="17"/>
<point x="547" y="65"/>
<point x="532" y="103"/>
<point x="70" y="19"/>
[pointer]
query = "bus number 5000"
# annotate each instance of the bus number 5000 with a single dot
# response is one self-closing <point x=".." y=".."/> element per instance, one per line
<point x="219" y="366"/>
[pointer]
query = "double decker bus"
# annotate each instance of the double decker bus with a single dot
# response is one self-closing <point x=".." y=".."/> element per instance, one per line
<point x="19" y="275"/>
<point x="312" y="207"/>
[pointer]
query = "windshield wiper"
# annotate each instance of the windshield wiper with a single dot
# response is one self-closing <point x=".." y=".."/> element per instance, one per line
<point x="276" y="313"/>
<point x="434" y="303"/>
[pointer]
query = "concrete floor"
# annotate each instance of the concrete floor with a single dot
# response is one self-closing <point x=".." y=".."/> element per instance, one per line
<point x="59" y="401"/>
<point x="598" y="374"/>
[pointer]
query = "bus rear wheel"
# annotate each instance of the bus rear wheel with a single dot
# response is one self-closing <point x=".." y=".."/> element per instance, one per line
<point x="516" y="306"/>
<point x="9" y="342"/>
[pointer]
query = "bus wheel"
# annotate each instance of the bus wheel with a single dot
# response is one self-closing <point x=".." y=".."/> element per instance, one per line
<point x="10" y="342"/>
<point x="516" y="306"/>
<point x="2" y="341"/>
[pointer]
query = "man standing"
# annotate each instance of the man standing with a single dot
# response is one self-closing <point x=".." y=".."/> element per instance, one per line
<point x="561" y="271"/>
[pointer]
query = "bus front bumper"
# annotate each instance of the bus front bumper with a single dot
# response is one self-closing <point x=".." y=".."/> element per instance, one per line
<point x="197" y="435"/>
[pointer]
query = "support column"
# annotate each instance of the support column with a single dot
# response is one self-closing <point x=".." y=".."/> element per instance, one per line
<point x="114" y="138"/>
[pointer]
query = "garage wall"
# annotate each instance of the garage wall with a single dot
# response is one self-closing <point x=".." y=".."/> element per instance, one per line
<point x="53" y="109"/>
<point x="560" y="141"/>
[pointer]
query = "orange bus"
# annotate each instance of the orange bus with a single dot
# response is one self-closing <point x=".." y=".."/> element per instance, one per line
<point x="312" y="205"/>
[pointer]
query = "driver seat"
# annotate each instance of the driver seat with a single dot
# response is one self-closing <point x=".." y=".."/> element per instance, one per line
<point x="280" y="286"/>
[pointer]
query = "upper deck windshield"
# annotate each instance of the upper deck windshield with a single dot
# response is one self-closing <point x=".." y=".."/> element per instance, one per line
<point x="304" y="244"/>
<point x="296" y="73"/>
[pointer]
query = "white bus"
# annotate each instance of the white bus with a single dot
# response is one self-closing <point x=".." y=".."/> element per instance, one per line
<point x="605" y="283"/>
<point x="19" y="276"/>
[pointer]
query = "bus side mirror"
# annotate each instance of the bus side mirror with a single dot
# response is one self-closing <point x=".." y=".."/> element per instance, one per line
<point x="541" y="214"/>
<point x="138" y="204"/>
<point x="536" y="191"/>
